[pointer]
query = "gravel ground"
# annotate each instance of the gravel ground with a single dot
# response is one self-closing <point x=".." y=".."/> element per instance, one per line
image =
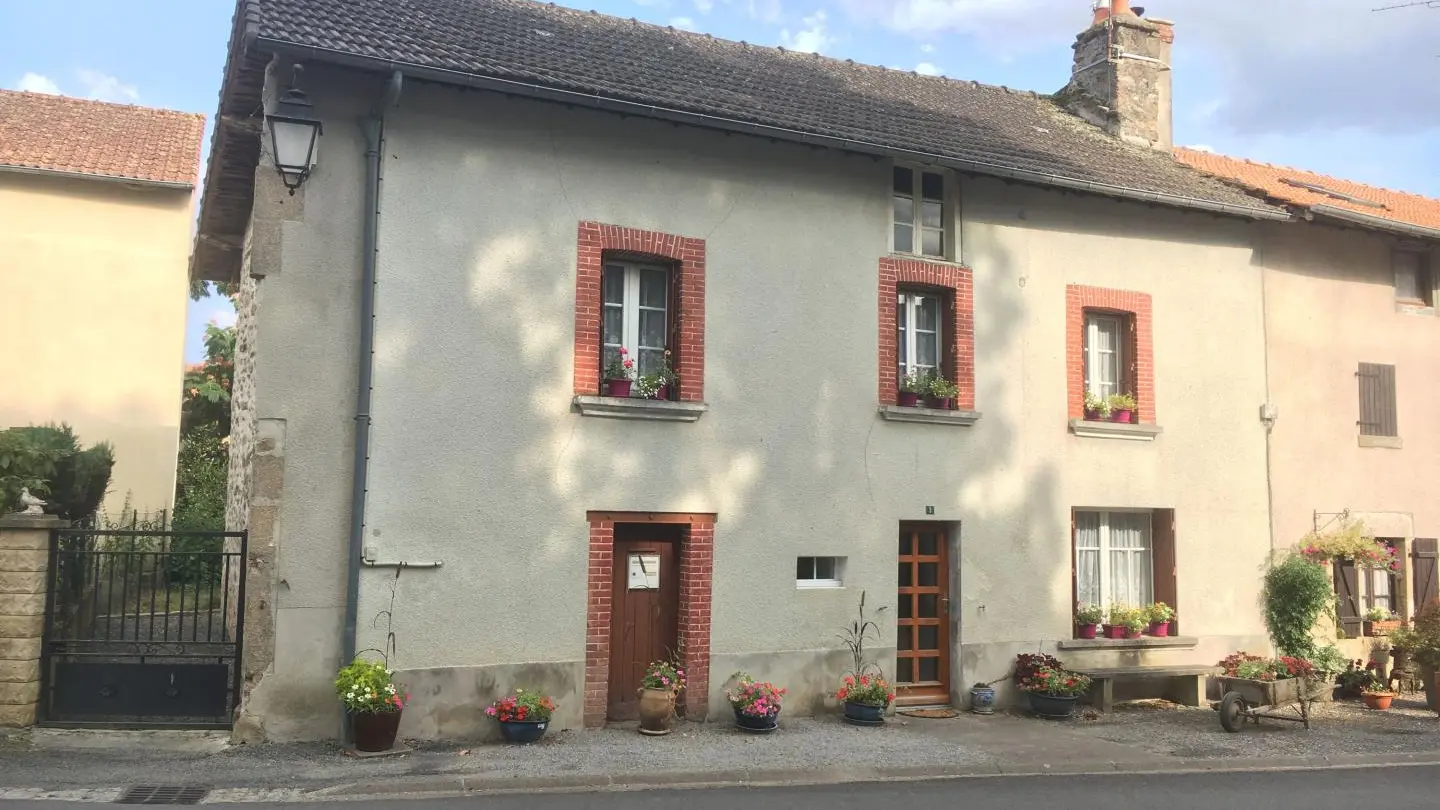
<point x="1336" y="729"/>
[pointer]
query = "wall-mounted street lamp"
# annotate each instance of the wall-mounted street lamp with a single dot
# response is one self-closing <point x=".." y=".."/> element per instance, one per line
<point x="293" y="133"/>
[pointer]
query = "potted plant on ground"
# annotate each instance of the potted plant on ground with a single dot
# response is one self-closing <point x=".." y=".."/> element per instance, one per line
<point x="523" y="716"/>
<point x="982" y="698"/>
<point x="661" y="684"/>
<point x="866" y="698"/>
<point x="619" y="374"/>
<point x="1122" y="407"/>
<point x="1357" y="678"/>
<point x="913" y="386"/>
<point x="657" y="384"/>
<point x="1378" y="698"/>
<point x="756" y="704"/>
<point x="374" y="703"/>
<point x="1053" y="690"/>
<point x="1425" y="649"/>
<point x="1379" y="621"/>
<point x="1087" y="616"/>
<point x="941" y="394"/>
<point x="1158" y="616"/>
<point x="1097" y="408"/>
<point x="1402" y="643"/>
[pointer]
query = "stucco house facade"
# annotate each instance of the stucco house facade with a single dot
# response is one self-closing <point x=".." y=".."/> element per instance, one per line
<point x="96" y="213"/>
<point x="419" y="405"/>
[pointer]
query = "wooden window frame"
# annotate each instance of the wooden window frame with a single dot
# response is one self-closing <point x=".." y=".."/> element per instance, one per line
<point x="1424" y="275"/>
<point x="1139" y="366"/>
<point x="954" y="283"/>
<point x="948" y="202"/>
<point x="1164" y="562"/>
<point x="944" y="327"/>
<point x="1379" y="397"/>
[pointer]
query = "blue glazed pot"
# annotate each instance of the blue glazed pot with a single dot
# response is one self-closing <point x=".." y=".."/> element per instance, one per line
<point x="864" y="713"/>
<point x="750" y="722"/>
<point x="982" y="700"/>
<point x="523" y="731"/>
<point x="1053" y="707"/>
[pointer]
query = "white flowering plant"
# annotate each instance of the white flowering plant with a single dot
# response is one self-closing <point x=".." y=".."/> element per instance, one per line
<point x="365" y="687"/>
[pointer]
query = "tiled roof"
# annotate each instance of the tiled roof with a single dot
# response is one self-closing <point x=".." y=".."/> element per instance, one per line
<point x="56" y="133"/>
<point x="531" y="48"/>
<point x="1308" y="189"/>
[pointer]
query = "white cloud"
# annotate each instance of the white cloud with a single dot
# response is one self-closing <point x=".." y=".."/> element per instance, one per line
<point x="766" y="11"/>
<point x="927" y="69"/>
<point x="704" y="6"/>
<point x="684" y="24"/>
<point x="813" y="38"/>
<point x="223" y="317"/>
<point x="104" y="87"/>
<point x="927" y="48"/>
<point x="35" y="83"/>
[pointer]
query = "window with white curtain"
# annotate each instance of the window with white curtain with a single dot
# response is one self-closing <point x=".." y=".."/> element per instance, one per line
<point x="918" y="318"/>
<point x="1113" y="563"/>
<point x="636" y="303"/>
<point x="1104" y="356"/>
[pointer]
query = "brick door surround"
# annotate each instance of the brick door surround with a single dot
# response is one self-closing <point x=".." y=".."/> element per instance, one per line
<point x="696" y="570"/>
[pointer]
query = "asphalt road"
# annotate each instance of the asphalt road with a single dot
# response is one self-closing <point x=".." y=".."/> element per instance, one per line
<point x="1334" y="789"/>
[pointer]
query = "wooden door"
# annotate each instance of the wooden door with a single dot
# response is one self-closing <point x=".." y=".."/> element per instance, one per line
<point x="1424" y="556"/>
<point x="922" y="658"/>
<point x="645" y="599"/>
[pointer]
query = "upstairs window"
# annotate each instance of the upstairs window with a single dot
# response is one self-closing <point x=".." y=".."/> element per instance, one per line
<point x="1105" y="360"/>
<point x="1414" y="283"/>
<point x="919" y="316"/>
<point x="1377" y="400"/>
<point x="636" y="298"/>
<point x="921" y="214"/>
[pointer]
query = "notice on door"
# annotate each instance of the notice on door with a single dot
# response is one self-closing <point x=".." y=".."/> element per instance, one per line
<point x="644" y="572"/>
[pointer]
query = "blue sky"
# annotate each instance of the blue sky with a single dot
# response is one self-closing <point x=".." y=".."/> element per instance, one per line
<point x="1327" y="85"/>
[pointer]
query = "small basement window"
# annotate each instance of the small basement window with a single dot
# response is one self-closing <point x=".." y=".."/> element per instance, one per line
<point x="819" y="572"/>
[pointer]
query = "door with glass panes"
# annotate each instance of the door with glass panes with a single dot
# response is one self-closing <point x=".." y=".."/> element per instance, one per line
<point x="922" y="615"/>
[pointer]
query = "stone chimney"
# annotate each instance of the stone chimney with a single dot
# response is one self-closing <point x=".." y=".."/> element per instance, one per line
<point x="1121" y="77"/>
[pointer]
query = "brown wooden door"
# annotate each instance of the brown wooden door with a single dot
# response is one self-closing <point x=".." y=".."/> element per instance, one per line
<point x="645" y="599"/>
<point x="922" y="659"/>
<point x="1424" y="556"/>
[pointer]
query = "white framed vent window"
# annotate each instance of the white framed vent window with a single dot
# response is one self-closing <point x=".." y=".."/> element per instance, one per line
<point x="1113" y="558"/>
<point x="921" y="212"/>
<point x="819" y="572"/>
<point x="636" y="313"/>
<point x="920" y="334"/>
<point x="1104" y="354"/>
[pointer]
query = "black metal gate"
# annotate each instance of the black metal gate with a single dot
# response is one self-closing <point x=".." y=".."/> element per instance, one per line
<point x="143" y="629"/>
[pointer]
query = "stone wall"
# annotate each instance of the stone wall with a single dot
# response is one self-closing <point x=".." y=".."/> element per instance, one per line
<point x="24" y="560"/>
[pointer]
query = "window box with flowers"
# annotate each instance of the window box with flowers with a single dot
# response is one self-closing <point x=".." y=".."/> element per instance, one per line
<point x="1380" y="621"/>
<point x="662" y="683"/>
<point x="523" y="716"/>
<point x="374" y="703"/>
<point x="633" y="394"/>
<point x="756" y="704"/>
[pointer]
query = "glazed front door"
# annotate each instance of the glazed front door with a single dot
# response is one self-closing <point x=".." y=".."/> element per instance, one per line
<point x="922" y="656"/>
<point x="645" y="601"/>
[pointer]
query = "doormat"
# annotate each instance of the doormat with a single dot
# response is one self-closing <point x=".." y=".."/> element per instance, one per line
<point x="934" y="714"/>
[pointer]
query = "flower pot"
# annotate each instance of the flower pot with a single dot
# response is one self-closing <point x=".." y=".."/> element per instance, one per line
<point x="1092" y="415"/>
<point x="374" y="731"/>
<point x="1370" y="628"/>
<point x="754" y="724"/>
<point x="1116" y="631"/>
<point x="864" y="714"/>
<point x="657" y="707"/>
<point x="1084" y="631"/>
<point x="982" y="700"/>
<point x="1133" y="633"/>
<point x="1054" y="707"/>
<point x="1399" y="660"/>
<point x="663" y="392"/>
<point x="523" y="731"/>
<point x="1158" y="629"/>
<point x="1120" y="416"/>
<point x="907" y="399"/>
<point x="940" y="404"/>
<point x="1377" y="702"/>
<point x="619" y="388"/>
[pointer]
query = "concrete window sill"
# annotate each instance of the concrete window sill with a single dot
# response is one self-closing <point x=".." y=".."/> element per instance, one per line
<point x="1415" y="308"/>
<point x="929" y="416"/>
<point x="655" y="410"/>
<point x="1391" y="442"/>
<point x="1114" y="430"/>
<point x="1142" y="643"/>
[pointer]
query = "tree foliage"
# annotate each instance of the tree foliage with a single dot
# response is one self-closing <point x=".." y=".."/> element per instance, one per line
<point x="205" y="400"/>
<point x="1296" y="593"/>
<point x="49" y="462"/>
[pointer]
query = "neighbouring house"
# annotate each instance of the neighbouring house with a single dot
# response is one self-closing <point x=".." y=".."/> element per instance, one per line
<point x="506" y="193"/>
<point x="1352" y="344"/>
<point x="96" y="219"/>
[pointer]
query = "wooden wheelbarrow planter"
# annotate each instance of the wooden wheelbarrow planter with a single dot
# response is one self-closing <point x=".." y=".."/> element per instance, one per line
<point x="1244" y="699"/>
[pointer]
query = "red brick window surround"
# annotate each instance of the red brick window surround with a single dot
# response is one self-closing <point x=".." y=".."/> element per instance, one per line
<point x="685" y="338"/>
<point x="1137" y="351"/>
<point x="954" y="285"/>
<point x="696" y="564"/>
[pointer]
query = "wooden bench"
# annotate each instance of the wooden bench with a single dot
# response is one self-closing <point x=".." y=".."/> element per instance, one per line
<point x="1184" y="684"/>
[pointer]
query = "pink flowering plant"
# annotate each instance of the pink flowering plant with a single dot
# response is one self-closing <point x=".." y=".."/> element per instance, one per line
<point x="622" y="367"/>
<point x="665" y="676"/>
<point x="755" y="698"/>
<point x="522" y="707"/>
<point x="867" y="690"/>
<point x="1348" y="539"/>
<point x="365" y="688"/>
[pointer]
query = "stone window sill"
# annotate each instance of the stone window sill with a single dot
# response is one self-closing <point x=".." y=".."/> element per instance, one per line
<point x="1391" y="442"/>
<point x="1142" y="643"/>
<point x="1414" y="308"/>
<point x="1114" y="430"/>
<point x="655" y="410"/>
<point x="929" y="416"/>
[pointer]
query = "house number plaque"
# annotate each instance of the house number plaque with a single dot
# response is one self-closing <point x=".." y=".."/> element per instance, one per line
<point x="644" y="572"/>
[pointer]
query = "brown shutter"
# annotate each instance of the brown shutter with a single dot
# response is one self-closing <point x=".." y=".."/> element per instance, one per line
<point x="672" y="321"/>
<point x="1164" y="560"/>
<point x="1347" y="585"/>
<point x="1377" y="400"/>
<point x="1131" y="383"/>
<point x="1424" y="558"/>
<point x="948" y="336"/>
<point x="1074" y="574"/>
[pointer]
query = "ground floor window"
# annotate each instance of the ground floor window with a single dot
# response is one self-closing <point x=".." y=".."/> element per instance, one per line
<point x="1113" y="563"/>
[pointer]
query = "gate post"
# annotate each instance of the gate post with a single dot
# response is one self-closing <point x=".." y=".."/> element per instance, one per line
<point x="24" y="563"/>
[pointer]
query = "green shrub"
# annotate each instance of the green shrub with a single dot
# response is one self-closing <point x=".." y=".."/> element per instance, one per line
<point x="48" y="460"/>
<point x="1297" y="591"/>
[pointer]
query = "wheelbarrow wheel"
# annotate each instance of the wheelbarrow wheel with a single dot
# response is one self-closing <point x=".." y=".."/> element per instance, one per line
<point x="1232" y="712"/>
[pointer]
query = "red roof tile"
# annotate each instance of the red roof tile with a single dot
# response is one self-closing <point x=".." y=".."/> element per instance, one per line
<point x="1271" y="180"/>
<point x="56" y="133"/>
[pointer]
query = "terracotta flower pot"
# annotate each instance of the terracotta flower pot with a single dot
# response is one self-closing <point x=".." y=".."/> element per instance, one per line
<point x="657" y="707"/>
<point x="374" y="731"/>
<point x="1085" y="631"/>
<point x="1378" y="702"/>
<point x="619" y="388"/>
